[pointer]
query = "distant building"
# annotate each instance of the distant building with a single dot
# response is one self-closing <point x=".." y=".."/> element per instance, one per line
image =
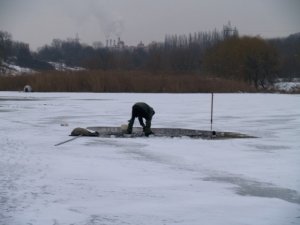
<point x="120" y="44"/>
<point x="116" y="45"/>
<point x="140" y="45"/>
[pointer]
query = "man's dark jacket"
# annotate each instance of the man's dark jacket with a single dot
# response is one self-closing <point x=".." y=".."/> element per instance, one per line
<point x="141" y="110"/>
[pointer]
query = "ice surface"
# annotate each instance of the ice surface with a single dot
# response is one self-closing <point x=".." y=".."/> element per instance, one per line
<point x="151" y="181"/>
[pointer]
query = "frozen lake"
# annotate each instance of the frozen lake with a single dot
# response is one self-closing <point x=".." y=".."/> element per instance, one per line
<point x="149" y="181"/>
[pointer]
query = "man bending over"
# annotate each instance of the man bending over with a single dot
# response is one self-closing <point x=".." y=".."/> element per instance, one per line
<point x="141" y="110"/>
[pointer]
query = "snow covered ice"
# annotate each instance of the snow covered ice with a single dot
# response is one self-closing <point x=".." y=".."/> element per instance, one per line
<point x="149" y="181"/>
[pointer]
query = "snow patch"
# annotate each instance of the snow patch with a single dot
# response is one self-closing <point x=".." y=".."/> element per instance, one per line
<point x="287" y="86"/>
<point x="14" y="70"/>
<point x="63" y="67"/>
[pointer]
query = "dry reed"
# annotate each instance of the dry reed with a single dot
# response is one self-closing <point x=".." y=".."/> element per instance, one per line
<point x="122" y="81"/>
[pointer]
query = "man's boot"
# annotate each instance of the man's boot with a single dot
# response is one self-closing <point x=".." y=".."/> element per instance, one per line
<point x="130" y="125"/>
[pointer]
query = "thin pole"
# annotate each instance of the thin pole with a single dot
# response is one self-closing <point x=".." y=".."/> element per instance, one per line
<point x="68" y="140"/>
<point x="211" y="111"/>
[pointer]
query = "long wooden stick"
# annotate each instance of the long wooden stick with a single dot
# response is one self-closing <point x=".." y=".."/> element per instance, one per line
<point x="60" y="143"/>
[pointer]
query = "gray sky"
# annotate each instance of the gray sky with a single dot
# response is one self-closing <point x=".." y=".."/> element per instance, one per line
<point x="37" y="22"/>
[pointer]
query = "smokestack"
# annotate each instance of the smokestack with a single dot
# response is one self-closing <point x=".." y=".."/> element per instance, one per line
<point x="119" y="42"/>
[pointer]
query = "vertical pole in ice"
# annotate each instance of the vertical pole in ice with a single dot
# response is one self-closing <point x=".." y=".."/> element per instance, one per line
<point x="211" y="111"/>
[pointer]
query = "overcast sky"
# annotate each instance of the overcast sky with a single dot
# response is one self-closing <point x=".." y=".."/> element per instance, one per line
<point x="37" y="22"/>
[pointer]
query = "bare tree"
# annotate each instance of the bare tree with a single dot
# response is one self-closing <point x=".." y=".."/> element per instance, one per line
<point x="5" y="45"/>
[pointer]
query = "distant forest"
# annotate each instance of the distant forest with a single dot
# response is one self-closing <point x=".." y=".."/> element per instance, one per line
<point x="221" y="54"/>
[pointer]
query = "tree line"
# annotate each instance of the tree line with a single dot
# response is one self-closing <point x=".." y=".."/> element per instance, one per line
<point x="19" y="53"/>
<point x="216" y="53"/>
<point x="176" y="53"/>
